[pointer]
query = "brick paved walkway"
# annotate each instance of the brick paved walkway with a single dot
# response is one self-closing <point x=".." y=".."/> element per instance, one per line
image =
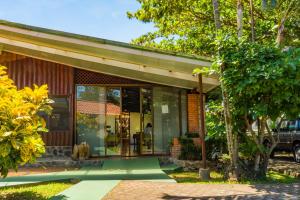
<point x="142" y="190"/>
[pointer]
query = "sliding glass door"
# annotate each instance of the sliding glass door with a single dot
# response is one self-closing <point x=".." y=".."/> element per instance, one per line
<point x="146" y="121"/>
<point x="129" y="121"/>
<point x="113" y="122"/>
<point x="166" y="118"/>
<point x="90" y="118"/>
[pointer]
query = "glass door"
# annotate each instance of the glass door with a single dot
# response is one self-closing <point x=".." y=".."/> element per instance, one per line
<point x="113" y="135"/>
<point x="146" y="121"/>
<point x="115" y="121"/>
<point x="125" y="133"/>
<point x="131" y="122"/>
<point x="90" y="118"/>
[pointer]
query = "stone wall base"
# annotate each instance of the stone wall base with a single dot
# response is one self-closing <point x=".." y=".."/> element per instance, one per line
<point x="58" y="151"/>
<point x="64" y="162"/>
<point x="188" y="165"/>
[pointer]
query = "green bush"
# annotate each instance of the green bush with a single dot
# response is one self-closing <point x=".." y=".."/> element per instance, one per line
<point x="188" y="149"/>
<point x="192" y="135"/>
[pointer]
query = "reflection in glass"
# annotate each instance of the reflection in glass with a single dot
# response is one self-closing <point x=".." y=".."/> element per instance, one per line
<point x="184" y="111"/>
<point x="146" y="122"/>
<point x="90" y="118"/>
<point x="166" y="117"/>
<point x="129" y="121"/>
<point x="113" y="112"/>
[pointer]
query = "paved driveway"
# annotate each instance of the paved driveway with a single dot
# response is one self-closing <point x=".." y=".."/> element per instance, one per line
<point x="141" y="190"/>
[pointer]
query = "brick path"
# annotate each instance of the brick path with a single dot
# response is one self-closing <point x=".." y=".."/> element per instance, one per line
<point x="143" y="190"/>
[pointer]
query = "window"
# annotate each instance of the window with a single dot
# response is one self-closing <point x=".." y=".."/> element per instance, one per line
<point x="288" y="125"/>
<point x="284" y="125"/>
<point x="59" y="118"/>
<point x="292" y="125"/>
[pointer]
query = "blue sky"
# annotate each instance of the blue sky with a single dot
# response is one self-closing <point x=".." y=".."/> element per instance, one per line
<point x="100" y="18"/>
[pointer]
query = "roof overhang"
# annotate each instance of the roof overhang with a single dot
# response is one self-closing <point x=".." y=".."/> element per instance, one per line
<point x="98" y="55"/>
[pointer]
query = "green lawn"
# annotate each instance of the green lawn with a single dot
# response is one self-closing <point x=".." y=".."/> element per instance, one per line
<point x="43" y="191"/>
<point x="217" y="178"/>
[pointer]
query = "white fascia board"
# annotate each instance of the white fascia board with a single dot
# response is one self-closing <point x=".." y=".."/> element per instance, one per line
<point x="107" y="46"/>
<point x="119" y="64"/>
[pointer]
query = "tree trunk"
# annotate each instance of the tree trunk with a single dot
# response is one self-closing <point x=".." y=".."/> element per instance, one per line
<point x="239" y="18"/>
<point x="257" y="162"/>
<point x="235" y="156"/>
<point x="232" y="141"/>
<point x="264" y="4"/>
<point x="280" y="32"/>
<point x="265" y="165"/>
<point x="216" y="14"/>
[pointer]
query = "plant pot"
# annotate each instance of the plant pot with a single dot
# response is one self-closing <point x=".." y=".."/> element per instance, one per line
<point x="197" y="141"/>
<point x="175" y="141"/>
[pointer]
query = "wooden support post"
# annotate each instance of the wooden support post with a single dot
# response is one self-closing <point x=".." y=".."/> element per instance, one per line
<point x="202" y="123"/>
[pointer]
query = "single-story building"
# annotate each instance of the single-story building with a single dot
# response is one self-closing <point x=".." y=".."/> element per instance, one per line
<point x="121" y="99"/>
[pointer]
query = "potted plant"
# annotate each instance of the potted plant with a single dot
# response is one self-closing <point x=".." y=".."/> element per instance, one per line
<point x="175" y="141"/>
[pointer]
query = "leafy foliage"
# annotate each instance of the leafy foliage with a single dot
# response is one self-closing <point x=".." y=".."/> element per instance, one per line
<point x="261" y="79"/>
<point x="189" y="151"/>
<point x="20" y="124"/>
<point x="215" y="121"/>
<point x="187" y="26"/>
<point x="263" y="84"/>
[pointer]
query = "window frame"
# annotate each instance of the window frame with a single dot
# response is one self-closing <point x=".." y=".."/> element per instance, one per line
<point x="48" y="120"/>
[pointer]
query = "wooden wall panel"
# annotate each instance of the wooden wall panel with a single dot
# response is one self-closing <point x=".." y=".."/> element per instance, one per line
<point x="26" y="71"/>
<point x="193" y="113"/>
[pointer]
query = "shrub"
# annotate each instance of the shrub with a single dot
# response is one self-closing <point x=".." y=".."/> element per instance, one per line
<point x="20" y="123"/>
<point x="189" y="151"/>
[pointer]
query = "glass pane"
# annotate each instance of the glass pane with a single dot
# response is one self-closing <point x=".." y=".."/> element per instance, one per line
<point x="166" y="117"/>
<point x="292" y="125"/>
<point x="284" y="125"/>
<point x="184" y="111"/>
<point x="90" y="118"/>
<point x="135" y="133"/>
<point x="113" y="112"/>
<point x="59" y="118"/>
<point x="147" y="127"/>
<point x="131" y="126"/>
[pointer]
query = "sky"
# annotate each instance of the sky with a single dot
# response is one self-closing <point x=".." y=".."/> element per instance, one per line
<point x="99" y="18"/>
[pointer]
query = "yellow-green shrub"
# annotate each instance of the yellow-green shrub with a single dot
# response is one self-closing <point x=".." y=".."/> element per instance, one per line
<point x="20" y="123"/>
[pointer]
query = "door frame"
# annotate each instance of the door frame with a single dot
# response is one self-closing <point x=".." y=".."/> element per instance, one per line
<point x="120" y="86"/>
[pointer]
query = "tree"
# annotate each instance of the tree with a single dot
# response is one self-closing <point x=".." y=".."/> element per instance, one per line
<point x="20" y="123"/>
<point x="188" y="26"/>
<point x="263" y="83"/>
<point x="239" y="18"/>
<point x="290" y="9"/>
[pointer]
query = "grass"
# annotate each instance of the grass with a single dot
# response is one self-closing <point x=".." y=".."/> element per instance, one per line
<point x="43" y="191"/>
<point x="218" y="178"/>
<point x="276" y="177"/>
